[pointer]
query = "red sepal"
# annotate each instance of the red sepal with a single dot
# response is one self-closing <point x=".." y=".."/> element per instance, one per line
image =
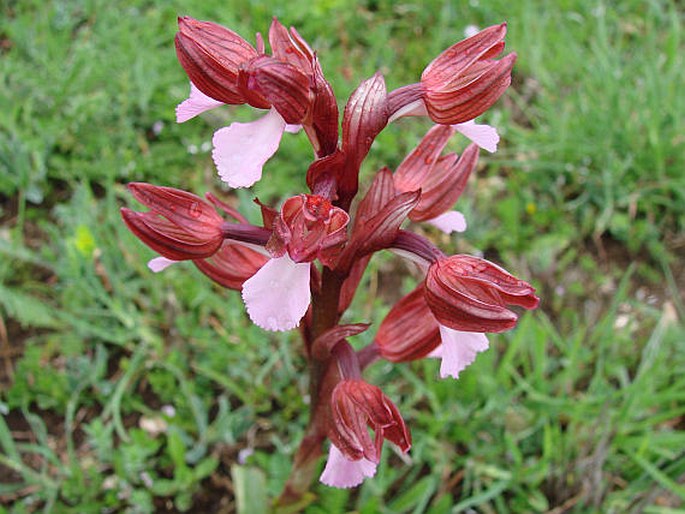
<point x="167" y="238"/>
<point x="471" y="294"/>
<point x="309" y="227"/>
<point x="232" y="265"/>
<point x="289" y="46"/>
<point x="179" y="225"/>
<point x="355" y="404"/>
<point x="416" y="167"/>
<point x="464" y="80"/>
<point x="283" y="85"/>
<point x="212" y="56"/>
<point x="324" y="115"/>
<point x="409" y="331"/>
<point x="445" y="184"/>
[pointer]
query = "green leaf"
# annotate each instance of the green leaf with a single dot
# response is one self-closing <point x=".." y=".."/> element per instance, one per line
<point x="250" y="490"/>
<point x="416" y="497"/>
<point x="27" y="309"/>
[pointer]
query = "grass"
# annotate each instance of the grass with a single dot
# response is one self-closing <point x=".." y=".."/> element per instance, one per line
<point x="128" y="392"/>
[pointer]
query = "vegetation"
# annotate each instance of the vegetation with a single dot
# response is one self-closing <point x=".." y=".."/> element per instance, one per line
<point x="124" y="391"/>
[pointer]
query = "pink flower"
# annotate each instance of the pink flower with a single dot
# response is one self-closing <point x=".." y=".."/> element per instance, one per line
<point x="308" y="227"/>
<point x="225" y="69"/>
<point x="240" y="168"/>
<point x="411" y="332"/>
<point x="458" y="350"/>
<point x="344" y="473"/>
<point x="179" y="226"/>
<point x="469" y="294"/>
<point x="441" y="178"/>
<point x="355" y="404"/>
<point x="278" y="295"/>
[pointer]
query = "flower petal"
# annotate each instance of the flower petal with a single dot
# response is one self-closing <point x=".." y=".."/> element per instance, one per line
<point x="458" y="350"/>
<point x="241" y="149"/>
<point x="160" y="263"/>
<point x="278" y="295"/>
<point x="344" y="473"/>
<point x="196" y="103"/>
<point x="293" y="129"/>
<point x="484" y="136"/>
<point x="452" y="221"/>
<point x="415" y="108"/>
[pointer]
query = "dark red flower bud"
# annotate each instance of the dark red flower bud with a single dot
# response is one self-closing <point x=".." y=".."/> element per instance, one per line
<point x="232" y="265"/>
<point x="212" y="56"/>
<point x="179" y="225"/>
<point x="409" y="331"/>
<point x="465" y="80"/>
<point x="309" y="227"/>
<point x="283" y="85"/>
<point x="471" y="294"/>
<point x="355" y="404"/>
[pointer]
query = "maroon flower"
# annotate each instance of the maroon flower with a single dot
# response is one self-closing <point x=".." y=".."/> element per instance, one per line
<point x="464" y="80"/>
<point x="213" y="56"/>
<point x="441" y="178"/>
<point x="461" y="83"/>
<point x="356" y="404"/>
<point x="179" y="226"/>
<point x="225" y="67"/>
<point x="309" y="227"/>
<point x="470" y="294"/>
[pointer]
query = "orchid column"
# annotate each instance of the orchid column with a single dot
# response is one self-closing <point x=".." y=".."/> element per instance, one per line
<point x="301" y="267"/>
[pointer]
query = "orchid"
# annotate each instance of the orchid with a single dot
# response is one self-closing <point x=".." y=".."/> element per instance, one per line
<point x="302" y="265"/>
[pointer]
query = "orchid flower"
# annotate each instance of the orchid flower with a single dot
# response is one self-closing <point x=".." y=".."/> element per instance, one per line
<point x="441" y="179"/>
<point x="302" y="266"/>
<point x="225" y="69"/>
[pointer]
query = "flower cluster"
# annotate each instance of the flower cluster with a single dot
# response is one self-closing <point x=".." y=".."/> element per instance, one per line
<point x="302" y="266"/>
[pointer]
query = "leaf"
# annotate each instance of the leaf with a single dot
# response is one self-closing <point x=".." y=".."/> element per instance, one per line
<point x="416" y="497"/>
<point x="27" y="309"/>
<point x="250" y="489"/>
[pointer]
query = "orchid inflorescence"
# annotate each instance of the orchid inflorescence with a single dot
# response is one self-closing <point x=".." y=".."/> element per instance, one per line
<point x="302" y="267"/>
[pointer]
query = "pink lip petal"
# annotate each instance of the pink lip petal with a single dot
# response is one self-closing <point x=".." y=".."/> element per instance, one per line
<point x="484" y="136"/>
<point x="452" y="221"/>
<point x="159" y="264"/>
<point x="293" y="129"/>
<point x="241" y="149"/>
<point x="458" y="350"/>
<point x="196" y="103"/>
<point x="278" y="295"/>
<point x="343" y="473"/>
